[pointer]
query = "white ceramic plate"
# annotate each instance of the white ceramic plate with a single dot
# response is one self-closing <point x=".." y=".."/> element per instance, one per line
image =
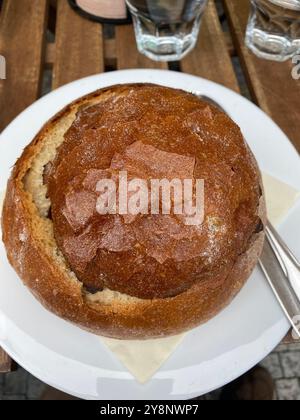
<point x="210" y="356"/>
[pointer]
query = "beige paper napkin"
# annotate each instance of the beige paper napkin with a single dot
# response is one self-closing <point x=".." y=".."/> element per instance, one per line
<point x="144" y="358"/>
<point x="280" y="198"/>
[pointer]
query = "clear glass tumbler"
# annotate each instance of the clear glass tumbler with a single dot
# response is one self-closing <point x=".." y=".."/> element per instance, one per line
<point x="166" y="30"/>
<point x="273" y="30"/>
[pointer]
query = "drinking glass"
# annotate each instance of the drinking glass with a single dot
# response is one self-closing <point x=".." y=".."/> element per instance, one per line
<point x="166" y="30"/>
<point x="273" y="30"/>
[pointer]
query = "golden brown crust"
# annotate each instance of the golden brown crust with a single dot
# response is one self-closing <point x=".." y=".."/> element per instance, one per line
<point x="119" y="317"/>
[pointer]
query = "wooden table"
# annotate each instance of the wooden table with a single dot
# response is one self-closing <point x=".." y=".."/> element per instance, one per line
<point x="79" y="48"/>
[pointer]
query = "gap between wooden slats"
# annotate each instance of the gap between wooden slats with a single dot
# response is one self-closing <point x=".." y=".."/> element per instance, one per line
<point x="6" y="364"/>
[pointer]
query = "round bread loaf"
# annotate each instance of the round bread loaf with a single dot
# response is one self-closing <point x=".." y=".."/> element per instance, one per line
<point x="144" y="275"/>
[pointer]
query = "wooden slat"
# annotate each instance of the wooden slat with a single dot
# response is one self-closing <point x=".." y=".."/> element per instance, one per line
<point x="5" y="362"/>
<point x="128" y="56"/>
<point x="79" y="46"/>
<point x="289" y="339"/>
<point x="22" y="36"/>
<point x="270" y="82"/>
<point x="50" y="54"/>
<point x="109" y="52"/>
<point x="210" y="58"/>
<point x="22" y="42"/>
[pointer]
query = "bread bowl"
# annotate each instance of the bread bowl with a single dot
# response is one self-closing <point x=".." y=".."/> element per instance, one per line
<point x="135" y="293"/>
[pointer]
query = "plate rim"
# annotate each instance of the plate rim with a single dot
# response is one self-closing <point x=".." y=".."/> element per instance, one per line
<point x="122" y="73"/>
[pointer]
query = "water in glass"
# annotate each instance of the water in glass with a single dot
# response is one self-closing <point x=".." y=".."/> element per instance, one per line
<point x="273" y="30"/>
<point x="166" y="30"/>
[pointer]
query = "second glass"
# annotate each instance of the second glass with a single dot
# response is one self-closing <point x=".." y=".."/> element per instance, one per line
<point x="166" y="30"/>
<point x="273" y="30"/>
